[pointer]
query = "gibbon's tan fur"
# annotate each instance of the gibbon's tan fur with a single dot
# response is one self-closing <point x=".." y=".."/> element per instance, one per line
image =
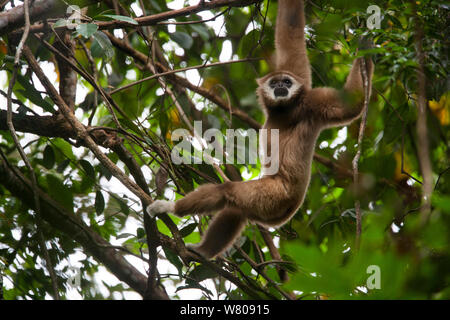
<point x="300" y="113"/>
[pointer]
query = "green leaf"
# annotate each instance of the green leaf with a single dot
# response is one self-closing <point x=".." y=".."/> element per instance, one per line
<point x="86" y="29"/>
<point x="140" y="232"/>
<point x="200" y="273"/>
<point x="121" y="18"/>
<point x="173" y="258"/>
<point x="125" y="235"/>
<point x="62" y="165"/>
<point x="442" y="202"/>
<point x="201" y="30"/>
<point x="88" y="168"/>
<point x="101" y="46"/>
<point x="105" y="172"/>
<point x="248" y="42"/>
<point x="58" y="191"/>
<point x="60" y="23"/>
<point x="183" y="39"/>
<point x="32" y="94"/>
<point x="188" y="230"/>
<point x="116" y="205"/>
<point x="99" y="202"/>
<point x="49" y="157"/>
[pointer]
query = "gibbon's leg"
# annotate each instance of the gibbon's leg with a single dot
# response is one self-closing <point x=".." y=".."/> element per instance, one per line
<point x="205" y="199"/>
<point x="222" y="231"/>
<point x="290" y="40"/>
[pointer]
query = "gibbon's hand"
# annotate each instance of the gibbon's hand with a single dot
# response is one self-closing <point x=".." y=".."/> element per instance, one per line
<point x="160" y="206"/>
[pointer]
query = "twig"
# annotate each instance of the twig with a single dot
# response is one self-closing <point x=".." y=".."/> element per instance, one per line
<point x="166" y="73"/>
<point x="81" y="131"/>
<point x="194" y="22"/>
<point x="439" y="177"/>
<point x="163" y="83"/>
<point x="175" y="79"/>
<point x="402" y="170"/>
<point x="275" y="254"/>
<point x="258" y="269"/>
<point x="109" y="102"/>
<point x="94" y="75"/>
<point x="362" y="127"/>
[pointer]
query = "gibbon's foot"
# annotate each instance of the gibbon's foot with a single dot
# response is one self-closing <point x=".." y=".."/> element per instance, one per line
<point x="160" y="206"/>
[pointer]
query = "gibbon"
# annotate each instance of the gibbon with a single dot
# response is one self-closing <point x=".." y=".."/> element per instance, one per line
<point x="299" y="112"/>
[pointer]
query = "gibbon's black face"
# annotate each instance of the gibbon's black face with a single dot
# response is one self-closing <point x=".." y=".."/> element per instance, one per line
<point x="280" y="86"/>
<point x="279" y="90"/>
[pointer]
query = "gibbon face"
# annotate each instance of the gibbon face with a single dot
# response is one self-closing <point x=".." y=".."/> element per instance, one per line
<point x="279" y="89"/>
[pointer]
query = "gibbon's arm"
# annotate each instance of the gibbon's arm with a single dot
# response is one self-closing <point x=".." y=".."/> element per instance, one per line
<point x="290" y="42"/>
<point x="340" y="107"/>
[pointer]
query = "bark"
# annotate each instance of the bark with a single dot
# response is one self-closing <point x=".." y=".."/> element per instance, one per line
<point x="39" y="9"/>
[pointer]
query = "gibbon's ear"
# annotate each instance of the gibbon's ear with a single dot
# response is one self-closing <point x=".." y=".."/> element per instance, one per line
<point x="260" y="81"/>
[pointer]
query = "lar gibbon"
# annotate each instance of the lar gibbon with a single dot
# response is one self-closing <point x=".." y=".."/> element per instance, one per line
<point x="300" y="113"/>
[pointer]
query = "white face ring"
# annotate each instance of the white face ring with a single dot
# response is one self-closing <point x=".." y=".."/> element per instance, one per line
<point x="271" y="92"/>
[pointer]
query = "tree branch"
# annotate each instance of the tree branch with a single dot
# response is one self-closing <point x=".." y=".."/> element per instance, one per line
<point x="39" y="9"/>
<point x="355" y="162"/>
<point x="61" y="219"/>
<point x="82" y="133"/>
<point x="422" y="130"/>
<point x="155" y="18"/>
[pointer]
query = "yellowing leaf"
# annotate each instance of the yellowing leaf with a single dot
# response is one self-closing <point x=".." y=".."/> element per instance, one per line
<point x="174" y="117"/>
<point x="209" y="83"/>
<point x="398" y="165"/>
<point x="3" y="47"/>
<point x="441" y="108"/>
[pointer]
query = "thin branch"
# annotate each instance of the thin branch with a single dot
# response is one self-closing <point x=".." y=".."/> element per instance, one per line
<point x="94" y="75"/>
<point x="362" y="127"/>
<point x="194" y="22"/>
<point x="274" y="253"/>
<point x="82" y="132"/>
<point x="109" y="102"/>
<point x="169" y="72"/>
<point x="256" y="267"/>
<point x="175" y="79"/>
<point x="188" y="256"/>
<point x="439" y="177"/>
<point x="73" y="227"/>
<point x="402" y="169"/>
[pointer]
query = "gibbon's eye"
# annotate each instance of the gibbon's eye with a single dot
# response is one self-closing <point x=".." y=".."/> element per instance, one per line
<point x="287" y="82"/>
<point x="273" y="82"/>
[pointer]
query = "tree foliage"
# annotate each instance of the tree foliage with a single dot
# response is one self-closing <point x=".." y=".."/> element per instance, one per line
<point x="89" y="212"/>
